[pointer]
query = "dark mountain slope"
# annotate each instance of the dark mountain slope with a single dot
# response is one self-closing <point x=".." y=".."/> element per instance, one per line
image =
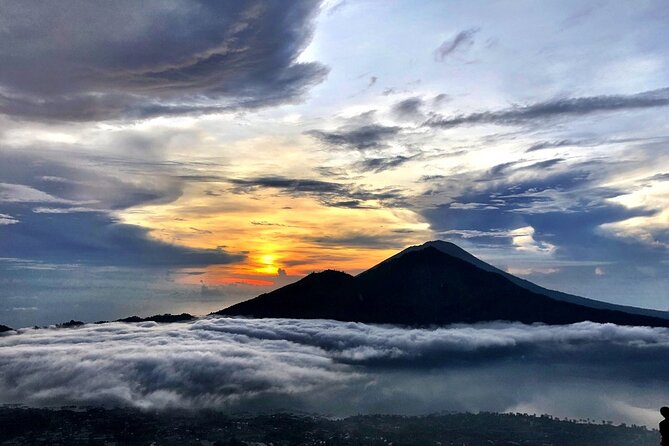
<point x="456" y="251"/>
<point x="429" y="286"/>
<point x="422" y="287"/>
<point x="328" y="295"/>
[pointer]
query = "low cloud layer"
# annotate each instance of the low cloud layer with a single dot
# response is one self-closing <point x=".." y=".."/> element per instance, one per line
<point x="581" y="370"/>
<point x="80" y="61"/>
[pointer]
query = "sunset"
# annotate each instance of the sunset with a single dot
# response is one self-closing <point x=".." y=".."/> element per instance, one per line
<point x="327" y="161"/>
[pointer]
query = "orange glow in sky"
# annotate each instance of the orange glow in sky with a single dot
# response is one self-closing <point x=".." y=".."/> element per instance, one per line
<point x="282" y="237"/>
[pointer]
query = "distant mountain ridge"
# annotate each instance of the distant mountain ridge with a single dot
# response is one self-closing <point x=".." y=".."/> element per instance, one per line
<point x="432" y="284"/>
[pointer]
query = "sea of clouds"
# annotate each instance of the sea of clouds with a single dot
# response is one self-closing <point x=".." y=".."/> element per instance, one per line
<point x="584" y="370"/>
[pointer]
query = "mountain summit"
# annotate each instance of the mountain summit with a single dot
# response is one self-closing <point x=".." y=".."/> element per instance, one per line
<point x="434" y="283"/>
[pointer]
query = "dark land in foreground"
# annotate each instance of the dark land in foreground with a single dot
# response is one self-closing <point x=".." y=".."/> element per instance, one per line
<point x="96" y="426"/>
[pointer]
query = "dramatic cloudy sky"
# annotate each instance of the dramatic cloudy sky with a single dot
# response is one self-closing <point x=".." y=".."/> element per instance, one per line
<point x="181" y="156"/>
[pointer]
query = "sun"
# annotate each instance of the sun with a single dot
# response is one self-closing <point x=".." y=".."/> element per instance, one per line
<point x="267" y="264"/>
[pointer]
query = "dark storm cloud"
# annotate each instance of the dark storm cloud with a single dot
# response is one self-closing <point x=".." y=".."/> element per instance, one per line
<point x="82" y="61"/>
<point x="64" y="214"/>
<point x="327" y="192"/>
<point x="339" y="367"/>
<point x="371" y="136"/>
<point x="463" y="39"/>
<point x="553" y="109"/>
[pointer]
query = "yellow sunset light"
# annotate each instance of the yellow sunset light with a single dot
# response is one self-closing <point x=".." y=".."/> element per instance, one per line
<point x="267" y="265"/>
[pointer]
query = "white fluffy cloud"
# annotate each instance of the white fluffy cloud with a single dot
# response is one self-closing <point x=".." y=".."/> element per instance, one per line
<point x="580" y="370"/>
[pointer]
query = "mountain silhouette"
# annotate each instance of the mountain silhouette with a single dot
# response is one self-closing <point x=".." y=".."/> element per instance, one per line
<point x="433" y="284"/>
<point x="456" y="251"/>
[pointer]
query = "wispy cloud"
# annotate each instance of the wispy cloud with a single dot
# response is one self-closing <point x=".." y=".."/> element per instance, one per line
<point x="327" y="192"/>
<point x="6" y="219"/>
<point x="552" y="109"/>
<point x="383" y="164"/>
<point x="372" y="136"/>
<point x="461" y="40"/>
<point x="551" y="145"/>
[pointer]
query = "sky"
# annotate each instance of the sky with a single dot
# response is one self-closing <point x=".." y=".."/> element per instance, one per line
<point x="178" y="156"/>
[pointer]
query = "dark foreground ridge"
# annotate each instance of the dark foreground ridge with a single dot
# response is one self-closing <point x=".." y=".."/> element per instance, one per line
<point x="160" y="318"/>
<point x="21" y="426"/>
<point x="435" y="283"/>
<point x="71" y="324"/>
